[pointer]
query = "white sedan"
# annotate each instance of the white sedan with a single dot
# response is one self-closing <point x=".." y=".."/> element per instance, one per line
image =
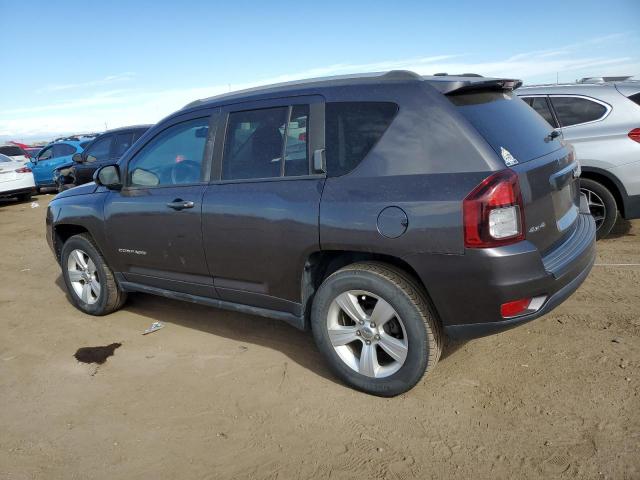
<point x="16" y="179"/>
<point x="14" y="152"/>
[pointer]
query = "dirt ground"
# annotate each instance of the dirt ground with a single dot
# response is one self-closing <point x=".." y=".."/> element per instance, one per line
<point x="217" y="395"/>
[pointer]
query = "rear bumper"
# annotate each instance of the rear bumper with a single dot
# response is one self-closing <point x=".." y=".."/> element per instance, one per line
<point x="468" y="290"/>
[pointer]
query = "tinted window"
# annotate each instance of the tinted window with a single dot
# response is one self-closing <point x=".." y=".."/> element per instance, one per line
<point x="123" y="142"/>
<point x="173" y="157"/>
<point x="506" y="122"/>
<point x="254" y="143"/>
<point x="63" y="149"/>
<point x="635" y="98"/>
<point x="99" y="150"/>
<point x="541" y="106"/>
<point x="352" y="129"/>
<point x="11" y="151"/>
<point x="83" y="145"/>
<point x="296" y="152"/>
<point x="527" y="100"/>
<point x="4" y="158"/>
<point x="574" y="110"/>
<point x="137" y="134"/>
<point x="46" y="154"/>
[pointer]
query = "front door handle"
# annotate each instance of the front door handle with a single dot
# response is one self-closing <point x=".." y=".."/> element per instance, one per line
<point x="179" y="204"/>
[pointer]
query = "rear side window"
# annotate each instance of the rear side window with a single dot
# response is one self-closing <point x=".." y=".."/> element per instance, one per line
<point x="541" y="106"/>
<point x="635" y="98"/>
<point x="254" y="144"/>
<point x="506" y="122"/>
<point x="575" y="110"/>
<point x="352" y="129"/>
<point x="11" y="151"/>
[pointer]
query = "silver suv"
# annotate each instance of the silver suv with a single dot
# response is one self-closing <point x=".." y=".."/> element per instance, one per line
<point x="601" y="118"/>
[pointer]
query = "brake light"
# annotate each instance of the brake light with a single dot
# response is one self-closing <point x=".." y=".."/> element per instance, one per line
<point x="493" y="212"/>
<point x="635" y="135"/>
<point x="23" y="170"/>
<point x="302" y="137"/>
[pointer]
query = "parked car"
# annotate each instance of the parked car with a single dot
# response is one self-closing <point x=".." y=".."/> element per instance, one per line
<point x="420" y="207"/>
<point x="16" y="179"/>
<point x="601" y="119"/>
<point x="104" y="149"/>
<point x="53" y="156"/>
<point x="33" y="151"/>
<point x="15" y="152"/>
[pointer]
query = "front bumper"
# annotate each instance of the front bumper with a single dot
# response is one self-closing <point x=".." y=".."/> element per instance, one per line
<point x="468" y="290"/>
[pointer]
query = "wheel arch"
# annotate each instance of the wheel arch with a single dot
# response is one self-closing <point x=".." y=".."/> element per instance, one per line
<point x="319" y="265"/>
<point x="62" y="232"/>
<point x="610" y="182"/>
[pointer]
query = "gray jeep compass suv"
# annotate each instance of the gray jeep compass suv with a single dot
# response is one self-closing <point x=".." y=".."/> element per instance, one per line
<point x="383" y="212"/>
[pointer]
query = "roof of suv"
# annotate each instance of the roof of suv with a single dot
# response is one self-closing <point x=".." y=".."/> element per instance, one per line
<point x="443" y="82"/>
<point x="627" y="87"/>
<point x="130" y="127"/>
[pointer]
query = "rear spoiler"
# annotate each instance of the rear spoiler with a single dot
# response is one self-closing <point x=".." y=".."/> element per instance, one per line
<point x="451" y="86"/>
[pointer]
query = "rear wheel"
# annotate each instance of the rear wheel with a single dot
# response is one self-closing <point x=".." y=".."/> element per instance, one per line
<point x="89" y="280"/>
<point x="602" y="205"/>
<point x="373" y="325"/>
<point x="24" y="197"/>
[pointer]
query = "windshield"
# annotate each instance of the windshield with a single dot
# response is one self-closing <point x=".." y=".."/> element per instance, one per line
<point x="507" y="122"/>
<point x="11" y="151"/>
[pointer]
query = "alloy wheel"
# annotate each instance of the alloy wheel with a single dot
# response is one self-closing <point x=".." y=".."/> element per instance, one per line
<point x="83" y="276"/>
<point x="367" y="333"/>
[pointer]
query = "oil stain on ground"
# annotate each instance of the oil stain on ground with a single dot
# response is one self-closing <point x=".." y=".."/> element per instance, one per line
<point x="97" y="355"/>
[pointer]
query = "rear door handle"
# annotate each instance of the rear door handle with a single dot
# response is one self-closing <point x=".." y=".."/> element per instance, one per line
<point x="179" y="204"/>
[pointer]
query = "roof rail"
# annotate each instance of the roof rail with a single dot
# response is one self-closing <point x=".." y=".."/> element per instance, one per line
<point x="620" y="78"/>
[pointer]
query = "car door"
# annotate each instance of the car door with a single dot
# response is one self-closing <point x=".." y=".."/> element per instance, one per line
<point x="154" y="221"/>
<point x="260" y="212"/>
<point x="97" y="154"/>
<point x="40" y="167"/>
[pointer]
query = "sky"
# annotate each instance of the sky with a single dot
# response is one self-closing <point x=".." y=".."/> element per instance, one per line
<point x="85" y="66"/>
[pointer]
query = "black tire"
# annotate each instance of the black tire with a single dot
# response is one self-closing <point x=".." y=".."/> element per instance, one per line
<point x="24" y="197"/>
<point x="111" y="298"/>
<point x="601" y="194"/>
<point x="408" y="299"/>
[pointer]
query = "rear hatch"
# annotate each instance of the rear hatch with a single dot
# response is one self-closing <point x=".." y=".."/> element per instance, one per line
<point x="523" y="140"/>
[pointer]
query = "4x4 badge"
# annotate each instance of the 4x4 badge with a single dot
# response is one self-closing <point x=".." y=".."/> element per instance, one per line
<point x="509" y="160"/>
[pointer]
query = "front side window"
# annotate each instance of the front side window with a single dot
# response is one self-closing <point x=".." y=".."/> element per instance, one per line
<point x="173" y="157"/>
<point x="352" y="129"/>
<point x="575" y="110"/>
<point x="254" y="144"/>
<point x="541" y="106"/>
<point x="99" y="150"/>
<point x="46" y="154"/>
<point x="62" y="150"/>
<point x="123" y="142"/>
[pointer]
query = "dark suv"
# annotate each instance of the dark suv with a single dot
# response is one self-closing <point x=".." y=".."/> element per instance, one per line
<point x="105" y="149"/>
<point x="383" y="212"/>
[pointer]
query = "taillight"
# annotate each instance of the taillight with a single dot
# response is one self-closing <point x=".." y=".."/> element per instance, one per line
<point x="493" y="212"/>
<point x="23" y="170"/>
<point x="635" y="135"/>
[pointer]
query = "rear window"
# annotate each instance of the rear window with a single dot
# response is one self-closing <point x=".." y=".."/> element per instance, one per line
<point x="507" y="122"/>
<point x="352" y="129"/>
<point x="11" y="151"/>
<point x="4" y="158"/>
<point x="575" y="110"/>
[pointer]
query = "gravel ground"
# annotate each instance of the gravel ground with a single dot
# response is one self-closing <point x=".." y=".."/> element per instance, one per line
<point x="218" y="395"/>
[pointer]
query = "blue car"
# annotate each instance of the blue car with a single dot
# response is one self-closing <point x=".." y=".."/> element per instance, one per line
<point x="53" y="156"/>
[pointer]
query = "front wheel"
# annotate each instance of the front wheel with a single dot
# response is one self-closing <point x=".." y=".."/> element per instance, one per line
<point x="89" y="280"/>
<point x="373" y="325"/>
<point x="602" y="205"/>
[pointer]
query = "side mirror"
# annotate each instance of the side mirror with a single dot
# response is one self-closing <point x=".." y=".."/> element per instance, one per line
<point x="108" y="176"/>
<point x="77" y="157"/>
